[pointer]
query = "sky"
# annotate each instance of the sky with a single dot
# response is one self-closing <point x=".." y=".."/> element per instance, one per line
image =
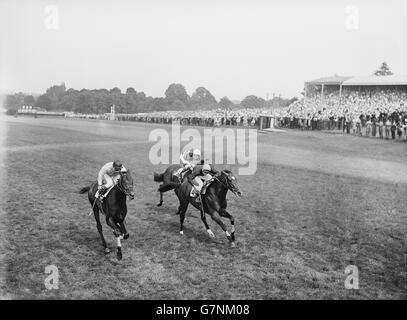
<point x="232" y="48"/>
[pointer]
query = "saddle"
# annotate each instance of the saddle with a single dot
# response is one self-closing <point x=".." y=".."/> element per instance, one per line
<point x="194" y="191"/>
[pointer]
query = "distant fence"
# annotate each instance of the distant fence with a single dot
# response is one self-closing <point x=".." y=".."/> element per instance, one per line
<point x="40" y="113"/>
<point x="193" y="121"/>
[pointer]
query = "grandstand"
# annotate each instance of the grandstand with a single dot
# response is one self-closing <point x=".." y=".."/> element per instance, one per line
<point x="340" y="102"/>
<point x="339" y="83"/>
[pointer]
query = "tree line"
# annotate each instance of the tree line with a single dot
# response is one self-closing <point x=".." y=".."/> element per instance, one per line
<point x="99" y="101"/>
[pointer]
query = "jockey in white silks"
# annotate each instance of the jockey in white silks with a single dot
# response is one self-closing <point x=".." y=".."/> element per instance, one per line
<point x="189" y="159"/>
<point x="108" y="177"/>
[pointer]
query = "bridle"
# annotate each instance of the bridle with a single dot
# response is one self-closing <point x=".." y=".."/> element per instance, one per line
<point x="227" y="185"/>
<point x="120" y="185"/>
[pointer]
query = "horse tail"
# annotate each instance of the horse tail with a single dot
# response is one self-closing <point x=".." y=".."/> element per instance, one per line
<point x="158" y="177"/>
<point x="84" y="189"/>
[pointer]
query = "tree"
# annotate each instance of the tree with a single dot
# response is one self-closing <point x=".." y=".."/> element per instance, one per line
<point x="225" y="103"/>
<point x="384" y="70"/>
<point x="55" y="94"/>
<point x="115" y="90"/>
<point x="131" y="91"/>
<point x="202" y="98"/>
<point x="177" y="96"/>
<point x="29" y="100"/>
<point x="44" y="101"/>
<point x="253" y="102"/>
<point x="14" y="101"/>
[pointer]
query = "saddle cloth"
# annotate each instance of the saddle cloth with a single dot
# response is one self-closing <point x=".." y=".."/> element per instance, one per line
<point x="181" y="175"/>
<point x="106" y="193"/>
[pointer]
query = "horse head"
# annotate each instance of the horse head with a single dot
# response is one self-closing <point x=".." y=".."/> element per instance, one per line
<point x="126" y="184"/>
<point x="229" y="181"/>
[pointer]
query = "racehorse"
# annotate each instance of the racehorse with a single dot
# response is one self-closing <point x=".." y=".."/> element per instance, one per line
<point x="214" y="200"/>
<point x="114" y="207"/>
<point x="169" y="180"/>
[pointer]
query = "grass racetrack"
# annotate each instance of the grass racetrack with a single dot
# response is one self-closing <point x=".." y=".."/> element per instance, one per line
<point x="317" y="203"/>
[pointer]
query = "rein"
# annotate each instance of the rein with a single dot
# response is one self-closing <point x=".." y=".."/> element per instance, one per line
<point x="221" y="182"/>
<point x="120" y="186"/>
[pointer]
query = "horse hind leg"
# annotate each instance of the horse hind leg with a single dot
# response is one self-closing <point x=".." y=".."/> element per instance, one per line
<point x="161" y="200"/>
<point x="182" y="210"/>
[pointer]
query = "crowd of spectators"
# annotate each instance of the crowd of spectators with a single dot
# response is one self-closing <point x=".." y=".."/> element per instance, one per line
<point x="367" y="112"/>
<point x="216" y="117"/>
<point x="370" y="113"/>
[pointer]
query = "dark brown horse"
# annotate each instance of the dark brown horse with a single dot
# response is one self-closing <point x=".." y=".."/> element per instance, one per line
<point x="169" y="181"/>
<point x="214" y="200"/>
<point x="114" y="207"/>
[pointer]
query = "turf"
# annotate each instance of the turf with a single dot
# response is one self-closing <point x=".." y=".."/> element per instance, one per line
<point x="317" y="203"/>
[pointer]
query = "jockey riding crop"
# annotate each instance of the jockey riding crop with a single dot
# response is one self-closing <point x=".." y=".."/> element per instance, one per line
<point x="93" y="205"/>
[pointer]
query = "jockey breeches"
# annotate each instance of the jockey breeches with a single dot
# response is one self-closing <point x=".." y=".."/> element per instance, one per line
<point x="110" y="181"/>
<point x="200" y="180"/>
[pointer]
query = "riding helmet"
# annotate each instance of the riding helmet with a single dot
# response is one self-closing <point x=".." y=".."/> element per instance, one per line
<point x="206" y="167"/>
<point x="117" y="165"/>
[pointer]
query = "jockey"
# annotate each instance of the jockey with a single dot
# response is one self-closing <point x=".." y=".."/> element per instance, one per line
<point x="189" y="159"/>
<point x="110" y="174"/>
<point x="200" y="177"/>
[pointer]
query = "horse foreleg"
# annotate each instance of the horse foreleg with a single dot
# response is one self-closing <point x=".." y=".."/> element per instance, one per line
<point x="203" y="218"/>
<point x="216" y="217"/>
<point x="100" y="229"/>
<point x="117" y="234"/>
<point x="226" y="214"/>
<point x="124" y="230"/>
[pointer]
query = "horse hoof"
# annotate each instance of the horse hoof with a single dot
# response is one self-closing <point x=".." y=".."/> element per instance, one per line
<point x="233" y="244"/>
<point x="211" y="233"/>
<point x="160" y="204"/>
<point x="119" y="256"/>
<point x="107" y="250"/>
<point x="181" y="232"/>
<point x="126" y="236"/>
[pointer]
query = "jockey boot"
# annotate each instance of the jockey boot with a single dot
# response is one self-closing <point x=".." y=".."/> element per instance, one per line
<point x="102" y="192"/>
<point x="194" y="193"/>
<point x="178" y="174"/>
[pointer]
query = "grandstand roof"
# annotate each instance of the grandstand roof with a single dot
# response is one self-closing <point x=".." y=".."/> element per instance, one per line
<point x="393" y="80"/>
<point x="333" y="80"/>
